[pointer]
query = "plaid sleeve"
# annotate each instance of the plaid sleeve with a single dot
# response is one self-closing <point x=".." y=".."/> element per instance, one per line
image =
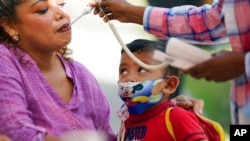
<point x="202" y="24"/>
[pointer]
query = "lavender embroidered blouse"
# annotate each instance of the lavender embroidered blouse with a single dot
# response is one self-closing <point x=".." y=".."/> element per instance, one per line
<point x="30" y="108"/>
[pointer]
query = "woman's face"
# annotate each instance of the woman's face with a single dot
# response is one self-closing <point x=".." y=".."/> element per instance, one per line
<point x="43" y="26"/>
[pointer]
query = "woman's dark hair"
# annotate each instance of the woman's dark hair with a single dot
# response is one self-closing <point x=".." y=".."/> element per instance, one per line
<point x="9" y="16"/>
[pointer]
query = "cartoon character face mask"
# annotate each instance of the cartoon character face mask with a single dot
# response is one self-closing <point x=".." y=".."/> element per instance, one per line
<point x="139" y="96"/>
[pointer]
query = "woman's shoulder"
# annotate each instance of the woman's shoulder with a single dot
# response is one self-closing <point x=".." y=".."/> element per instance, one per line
<point x="4" y="49"/>
<point x="5" y="53"/>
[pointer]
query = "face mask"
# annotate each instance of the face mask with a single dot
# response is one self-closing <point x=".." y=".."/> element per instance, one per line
<point x="138" y="96"/>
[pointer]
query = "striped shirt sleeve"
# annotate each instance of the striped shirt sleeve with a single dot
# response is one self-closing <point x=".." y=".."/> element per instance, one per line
<point x="202" y="24"/>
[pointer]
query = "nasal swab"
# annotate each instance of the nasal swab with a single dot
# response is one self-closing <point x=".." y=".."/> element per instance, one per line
<point x="85" y="11"/>
<point x="88" y="9"/>
<point x="129" y="53"/>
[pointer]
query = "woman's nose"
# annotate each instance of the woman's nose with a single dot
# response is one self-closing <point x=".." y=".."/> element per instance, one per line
<point x="57" y="9"/>
<point x="59" y="14"/>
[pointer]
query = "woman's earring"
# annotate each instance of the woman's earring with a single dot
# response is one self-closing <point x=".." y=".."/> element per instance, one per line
<point x="15" y="38"/>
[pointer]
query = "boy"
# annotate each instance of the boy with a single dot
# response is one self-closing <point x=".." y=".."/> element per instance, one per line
<point x="147" y="94"/>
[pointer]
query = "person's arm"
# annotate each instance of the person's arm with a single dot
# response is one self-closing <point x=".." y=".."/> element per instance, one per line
<point x="15" y="118"/>
<point x="119" y="10"/>
<point x="224" y="71"/>
<point x="201" y="24"/>
<point x="197" y="105"/>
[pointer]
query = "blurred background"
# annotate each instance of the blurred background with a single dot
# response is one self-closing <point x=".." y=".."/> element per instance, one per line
<point x="95" y="45"/>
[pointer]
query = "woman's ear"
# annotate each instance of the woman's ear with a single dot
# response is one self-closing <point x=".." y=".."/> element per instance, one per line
<point x="11" y="30"/>
<point x="170" y="84"/>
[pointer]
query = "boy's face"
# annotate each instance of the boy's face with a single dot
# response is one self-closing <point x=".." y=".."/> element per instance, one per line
<point x="129" y="71"/>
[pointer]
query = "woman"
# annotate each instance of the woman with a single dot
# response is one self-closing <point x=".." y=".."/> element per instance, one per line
<point x="43" y="93"/>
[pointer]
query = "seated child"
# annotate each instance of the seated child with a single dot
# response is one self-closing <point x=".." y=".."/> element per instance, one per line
<point x="147" y="94"/>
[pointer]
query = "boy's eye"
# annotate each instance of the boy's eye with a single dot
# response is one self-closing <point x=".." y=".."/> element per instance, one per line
<point x="123" y="71"/>
<point x="142" y="70"/>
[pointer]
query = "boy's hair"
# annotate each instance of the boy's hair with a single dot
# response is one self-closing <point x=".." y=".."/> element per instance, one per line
<point x="141" y="45"/>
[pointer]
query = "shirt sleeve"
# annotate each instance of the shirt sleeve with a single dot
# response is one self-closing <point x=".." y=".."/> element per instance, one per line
<point x="201" y="24"/>
<point x="15" y="118"/>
